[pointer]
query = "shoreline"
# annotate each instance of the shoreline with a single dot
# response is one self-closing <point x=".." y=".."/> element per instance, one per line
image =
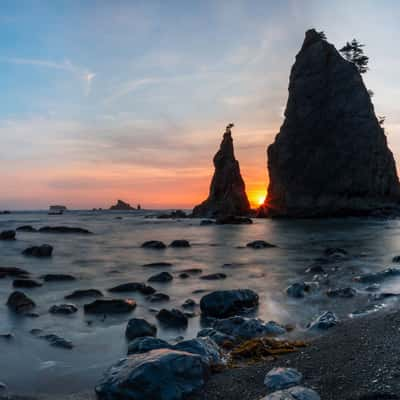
<point x="356" y="360"/>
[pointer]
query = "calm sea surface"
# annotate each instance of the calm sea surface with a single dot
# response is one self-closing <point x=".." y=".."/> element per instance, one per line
<point x="112" y="255"/>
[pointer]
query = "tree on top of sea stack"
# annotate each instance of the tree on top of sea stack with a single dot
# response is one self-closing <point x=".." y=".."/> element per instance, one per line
<point x="331" y="155"/>
<point x="227" y="191"/>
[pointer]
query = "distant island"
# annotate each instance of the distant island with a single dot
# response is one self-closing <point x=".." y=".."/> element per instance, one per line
<point x="123" y="206"/>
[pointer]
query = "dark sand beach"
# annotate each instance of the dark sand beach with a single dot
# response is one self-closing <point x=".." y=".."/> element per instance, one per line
<point x="358" y="359"/>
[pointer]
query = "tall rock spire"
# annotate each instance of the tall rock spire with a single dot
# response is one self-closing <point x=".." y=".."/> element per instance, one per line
<point x="227" y="191"/>
<point x="331" y="155"/>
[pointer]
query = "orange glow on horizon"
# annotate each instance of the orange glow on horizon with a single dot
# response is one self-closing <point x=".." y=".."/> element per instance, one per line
<point x="256" y="197"/>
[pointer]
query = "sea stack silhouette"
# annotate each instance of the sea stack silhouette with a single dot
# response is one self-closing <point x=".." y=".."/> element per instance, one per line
<point x="331" y="155"/>
<point x="227" y="191"/>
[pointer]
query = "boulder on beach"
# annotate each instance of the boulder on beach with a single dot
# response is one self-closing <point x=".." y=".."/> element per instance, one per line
<point x="227" y="190"/>
<point x="147" y="343"/>
<point x="345" y="292"/>
<point x="138" y="327"/>
<point x="374" y="277"/>
<point x="45" y="250"/>
<point x="64" y="229"/>
<point x="110" y="306"/>
<point x="7" y="235"/>
<point x="133" y="287"/>
<point x="330" y="128"/>
<point x="225" y="303"/>
<point x="162" y="277"/>
<point x="83" y="293"/>
<point x="247" y="328"/>
<point x="154" y="244"/>
<point x="297" y="393"/>
<point x="158" y="374"/>
<point x="64" y="309"/>
<point x="218" y="337"/>
<point x="300" y="289"/>
<point x="325" y="321"/>
<point x="205" y="347"/>
<point x="282" y="378"/>
<point x="19" y="302"/>
<point x="172" y="318"/>
<point x="121" y="206"/>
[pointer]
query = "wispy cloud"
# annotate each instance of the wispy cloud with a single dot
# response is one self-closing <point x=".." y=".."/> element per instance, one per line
<point x="81" y="73"/>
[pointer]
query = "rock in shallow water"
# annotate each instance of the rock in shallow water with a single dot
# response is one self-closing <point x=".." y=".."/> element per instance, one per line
<point x="83" y="293"/>
<point x="147" y="343"/>
<point x="180" y="243"/>
<point x="154" y="244"/>
<point x="138" y="327"/>
<point x="45" y="250"/>
<point x="64" y="229"/>
<point x="162" y="277"/>
<point x="19" y="302"/>
<point x="158" y="374"/>
<point x="110" y="306"/>
<point x="26" y="283"/>
<point x="214" y="277"/>
<point x="133" y="287"/>
<point x="64" y="309"/>
<point x="282" y="378"/>
<point x="13" y="272"/>
<point x="225" y="303"/>
<point x="259" y="244"/>
<point x="172" y="318"/>
<point x="7" y="235"/>
<point x="58" y="278"/>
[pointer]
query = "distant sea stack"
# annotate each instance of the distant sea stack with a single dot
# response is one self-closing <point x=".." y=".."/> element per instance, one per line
<point x="330" y="156"/>
<point x="227" y="191"/>
<point x="121" y="206"/>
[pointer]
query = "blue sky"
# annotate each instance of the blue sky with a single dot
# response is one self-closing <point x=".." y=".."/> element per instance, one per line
<point x="128" y="99"/>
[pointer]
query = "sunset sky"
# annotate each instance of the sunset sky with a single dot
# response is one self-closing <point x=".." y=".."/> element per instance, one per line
<point x="102" y="100"/>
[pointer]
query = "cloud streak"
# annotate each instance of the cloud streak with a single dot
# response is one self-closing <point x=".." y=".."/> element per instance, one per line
<point x="81" y="73"/>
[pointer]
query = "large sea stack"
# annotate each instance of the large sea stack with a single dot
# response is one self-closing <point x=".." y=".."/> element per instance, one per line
<point x="227" y="191"/>
<point x="330" y="156"/>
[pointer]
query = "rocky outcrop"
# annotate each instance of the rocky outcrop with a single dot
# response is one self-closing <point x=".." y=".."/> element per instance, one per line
<point x="331" y="155"/>
<point x="121" y="206"/>
<point x="227" y="191"/>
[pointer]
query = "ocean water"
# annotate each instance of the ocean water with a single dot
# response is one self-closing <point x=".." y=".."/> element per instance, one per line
<point x="112" y="255"/>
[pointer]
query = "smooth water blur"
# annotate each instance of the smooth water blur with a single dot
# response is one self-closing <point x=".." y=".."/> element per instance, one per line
<point x="113" y="255"/>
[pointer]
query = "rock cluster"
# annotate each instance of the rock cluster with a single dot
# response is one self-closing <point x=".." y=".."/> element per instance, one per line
<point x="331" y="155"/>
<point x="227" y="191"/>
